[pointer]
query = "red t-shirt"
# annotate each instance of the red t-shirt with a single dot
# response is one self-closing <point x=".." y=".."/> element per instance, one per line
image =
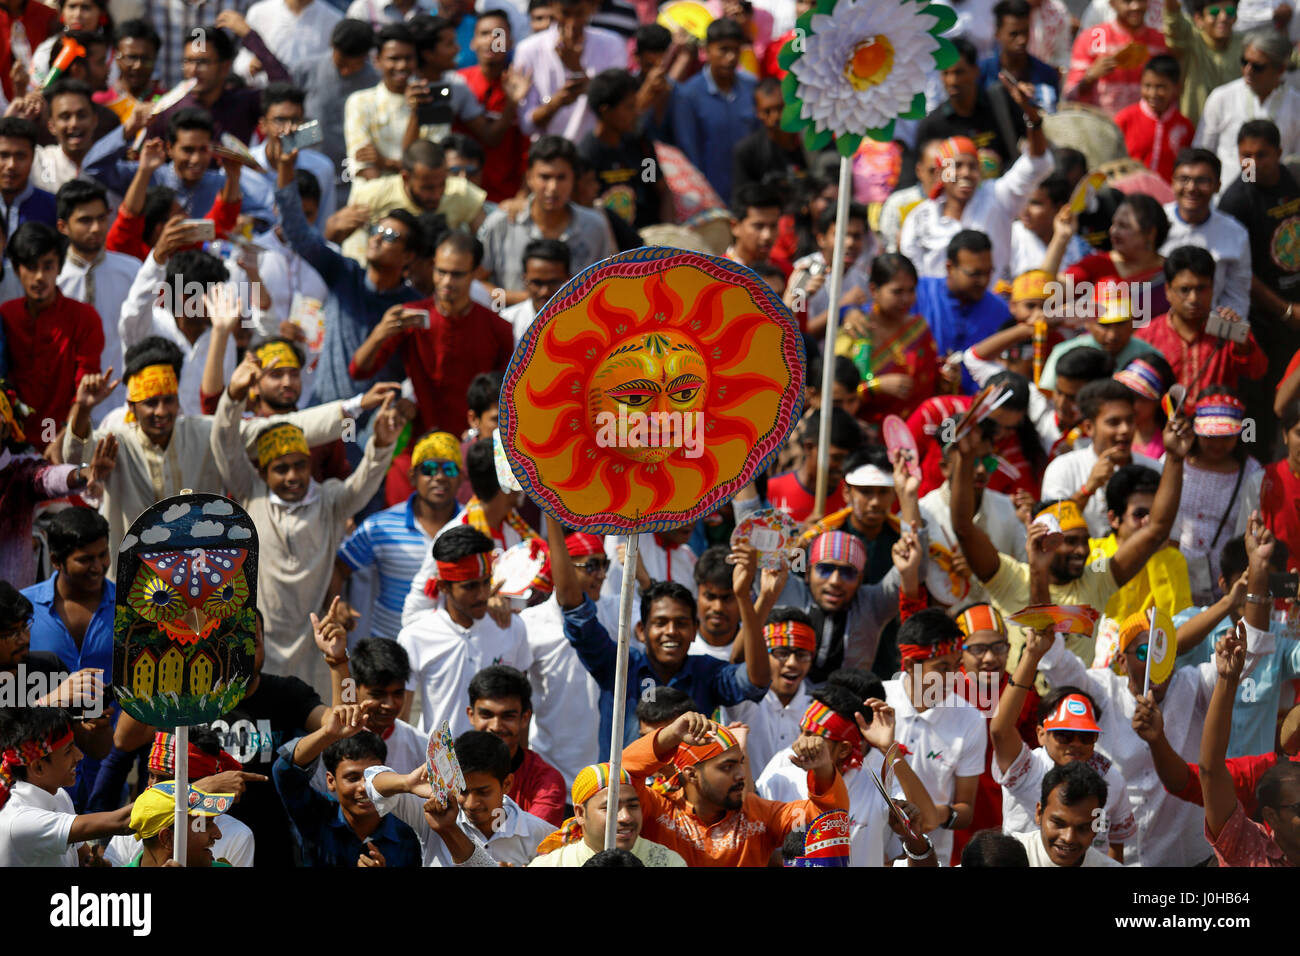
<point x="504" y="164"/>
<point x="786" y="491"/>
<point x="1245" y="773"/>
<point x="538" y="788"/>
<point x="39" y="21"/>
<point x="49" y="353"/>
<point x="1153" y="140"/>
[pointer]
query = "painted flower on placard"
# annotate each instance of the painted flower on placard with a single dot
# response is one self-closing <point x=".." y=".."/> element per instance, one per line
<point x="855" y="66"/>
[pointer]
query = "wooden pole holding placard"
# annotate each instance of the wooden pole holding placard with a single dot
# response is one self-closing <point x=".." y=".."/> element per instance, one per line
<point x="181" y="825"/>
<point x="1151" y="647"/>
<point x="832" y="326"/>
<point x="620" y="689"/>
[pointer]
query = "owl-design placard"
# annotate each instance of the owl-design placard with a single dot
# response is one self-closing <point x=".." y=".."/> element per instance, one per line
<point x="184" y="632"/>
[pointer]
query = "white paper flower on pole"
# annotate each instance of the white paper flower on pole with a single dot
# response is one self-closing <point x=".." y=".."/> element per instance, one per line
<point x="855" y="66"/>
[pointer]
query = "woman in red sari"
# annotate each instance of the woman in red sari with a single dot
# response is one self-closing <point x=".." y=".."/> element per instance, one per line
<point x="1279" y="491"/>
<point x="891" y="345"/>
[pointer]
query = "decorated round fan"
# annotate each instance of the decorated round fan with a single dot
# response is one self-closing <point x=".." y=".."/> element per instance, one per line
<point x="505" y="477"/>
<point x="687" y="15"/>
<point x="945" y="585"/>
<point x="516" y="570"/>
<point x="772" y="532"/>
<point x="1065" y="619"/>
<point x="898" y="437"/>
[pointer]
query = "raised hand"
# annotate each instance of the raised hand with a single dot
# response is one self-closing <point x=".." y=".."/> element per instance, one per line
<point x="331" y="637"/>
<point x="1179" y="437"/>
<point x="234" y="22"/>
<point x="102" y="462"/>
<point x="228" y="781"/>
<point x="247" y="372"/>
<point x="811" y="753"/>
<point x="222" y="307"/>
<point x="81" y="689"/>
<point x="516" y="84"/>
<point x="95" y="388"/>
<point x="375" y="394"/>
<point x="1148" y="721"/>
<point x="880" y="732"/>
<point x="153" y="155"/>
<point x="441" y="814"/>
<point x="1230" y="654"/>
<point x="691" y="729"/>
<point x="906" y="553"/>
<point x="1260" y="541"/>
<point x="745" y="559"/>
<point x="388" y="424"/>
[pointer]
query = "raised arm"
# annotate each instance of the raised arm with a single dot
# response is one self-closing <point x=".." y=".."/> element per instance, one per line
<point x="758" y="667"/>
<point x="1216" y="782"/>
<point x="1134" y="553"/>
<point x="980" y="553"/>
<point x="1064" y="227"/>
<point x="303" y="239"/>
<point x="226" y="440"/>
<point x="1149" y="724"/>
<point x="1007" y="743"/>
<point x="568" y="592"/>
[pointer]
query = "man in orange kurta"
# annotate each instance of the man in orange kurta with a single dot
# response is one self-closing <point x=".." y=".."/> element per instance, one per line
<point x="710" y="819"/>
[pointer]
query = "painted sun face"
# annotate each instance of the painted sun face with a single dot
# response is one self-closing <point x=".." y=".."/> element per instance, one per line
<point x="654" y="379"/>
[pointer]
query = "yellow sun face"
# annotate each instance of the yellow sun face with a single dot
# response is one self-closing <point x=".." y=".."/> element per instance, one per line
<point x="870" y="62"/>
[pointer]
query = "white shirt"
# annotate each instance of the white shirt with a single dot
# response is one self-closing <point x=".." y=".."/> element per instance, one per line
<point x="1022" y="788"/>
<point x="520" y="316"/>
<point x="1229" y="243"/>
<point x="1170" y="831"/>
<point x="236" y="845"/>
<point x="34" y="827"/>
<point x="566" y="698"/>
<point x="1028" y="251"/>
<point x="996" y="517"/>
<point x="1067" y="473"/>
<point x="773" y="726"/>
<point x="869" y="834"/>
<point x="1038" y="855"/>
<point x="975" y="22"/>
<point x="445" y="657"/>
<point x="416" y="600"/>
<point x="944" y="743"/>
<point x="295" y="39"/>
<point x="1232" y="104"/>
<point x="51" y="168"/>
<point x="112" y="276"/>
<point x="514" y="841"/>
<point x="377" y="13"/>
<point x="407" y="749"/>
<point x="991" y="210"/>
<point x="700" y="646"/>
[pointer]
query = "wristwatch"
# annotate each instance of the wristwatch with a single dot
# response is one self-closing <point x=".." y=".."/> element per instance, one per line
<point x="952" y="818"/>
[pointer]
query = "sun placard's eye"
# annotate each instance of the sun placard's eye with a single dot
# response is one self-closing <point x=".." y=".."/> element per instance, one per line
<point x="635" y="393"/>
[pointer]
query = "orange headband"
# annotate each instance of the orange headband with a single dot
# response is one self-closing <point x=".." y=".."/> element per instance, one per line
<point x="981" y="617"/>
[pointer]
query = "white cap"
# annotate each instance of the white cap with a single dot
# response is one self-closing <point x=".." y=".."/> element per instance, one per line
<point x="869" y="476"/>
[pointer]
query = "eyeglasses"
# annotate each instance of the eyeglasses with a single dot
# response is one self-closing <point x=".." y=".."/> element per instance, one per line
<point x="1255" y="66"/>
<point x="464" y="170"/>
<point x="785" y="653"/>
<point x="430" y="467"/>
<point x="1231" y="12"/>
<point x="386" y="234"/>
<point x="827" y="570"/>
<point x="594" y="565"/>
<point x="16" y="632"/>
<point x="1200" y="182"/>
<point x="997" y="649"/>
<point x="1073" y="736"/>
<point x="197" y="61"/>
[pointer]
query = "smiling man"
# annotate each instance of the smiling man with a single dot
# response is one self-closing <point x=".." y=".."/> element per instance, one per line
<point x="153" y="820"/>
<point x="1071" y="798"/>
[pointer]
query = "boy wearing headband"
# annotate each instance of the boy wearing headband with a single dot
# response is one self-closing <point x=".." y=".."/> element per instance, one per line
<point x="153" y="821"/>
<point x="300" y="523"/>
<point x="583" y="835"/>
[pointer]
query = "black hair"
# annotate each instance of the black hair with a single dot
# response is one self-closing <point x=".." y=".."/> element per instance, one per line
<point x="1233" y="560"/>
<point x="768" y="86"/>
<point x="1070" y="162"/>
<point x="723" y="30"/>
<point x="549" y="250"/>
<point x="969" y="240"/>
<point x="845" y="432"/>
<point x="360" y="746"/>
<point x="658" y="590"/>
<point x="613" y="857"/>
<point x="869" y="453"/>
<point x="14" y="606"/>
<point x="154" y="350"/>
<point x="1194" y="259"/>
<point x="826" y="221"/>
<point x="1149" y="215"/>
<point x="394" y="33"/>
<point x="20" y="725"/>
<point x="480" y="465"/>
<point x="222" y="44"/>
<point x="189" y="119"/>
<point x="1019" y="385"/>
<point x="74" y="528"/>
<point x="712" y="567"/>
<point x="352" y="37"/>
<point x="15" y="127"/>
<point x="426" y="28"/>
<point x="1057" y="189"/>
<point x="846" y="374"/>
<point x="78" y="192"/>
<point x="282" y="93"/>
<point x="787" y="612"/>
<point x="1198" y="155"/>
<point x="462" y="243"/>
<point x="1100" y="392"/>
<point x="1164" y="65"/>
<point x="498" y="13"/>
<point x="1260" y="129"/>
<point x="928" y="627"/>
<point x="379" y="662"/>
<point x="423" y="152"/>
<point x="484" y="391"/>
<point x="550" y="149"/>
<point x="608" y="88"/>
<point x="461" y="542"/>
<point x="993" y="848"/>
<point x="1130" y="480"/>
<point x="884" y="267"/>
<point x="33" y="240"/>
<point x="1079" y="782"/>
<point x="501" y="682"/>
<point x="862" y="684"/>
<point x="69" y="86"/>
<point x="197" y="266"/>
<point x="207" y="740"/>
<point x="466" y="146"/>
<point x="84" y="38"/>
<point x="481" y="752"/>
<point x="1085" y="365"/>
<point x="754" y="196"/>
<point x="664" y="704"/>
<point x="1290" y="416"/>
<point x="1269" y="789"/>
<point x="653" y="38"/>
<point x="158" y="203"/>
<point x="966" y="50"/>
<point x="843" y="701"/>
<point x="308" y="185"/>
<point x="416" y="241"/>
<point x="1009" y="8"/>
<point x="792" y="846"/>
<point x="1047" y="706"/>
<point x="137" y="29"/>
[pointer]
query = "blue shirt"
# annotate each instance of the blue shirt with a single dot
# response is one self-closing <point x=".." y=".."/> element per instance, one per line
<point x="394" y="543"/>
<point x="957" y="325"/>
<point x="49" y="633"/>
<point x="465" y="37"/>
<point x="1046" y="79"/>
<point x="709" y="681"/>
<point x="327" y="840"/>
<point x="1254" y="712"/>
<point x="708" y="123"/>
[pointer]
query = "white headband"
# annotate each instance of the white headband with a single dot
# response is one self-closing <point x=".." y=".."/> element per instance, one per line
<point x="869" y="476"/>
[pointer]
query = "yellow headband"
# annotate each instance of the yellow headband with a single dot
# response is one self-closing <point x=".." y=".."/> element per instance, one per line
<point x="1031" y="285"/>
<point x="278" y="350"/>
<point x="7" y="413"/>
<point x="442" y="446"/>
<point x="278" y="441"/>
<point x="150" y="382"/>
<point x="1066" y="514"/>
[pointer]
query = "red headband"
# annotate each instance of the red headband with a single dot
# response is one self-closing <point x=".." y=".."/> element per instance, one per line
<point x="580" y="544"/>
<point x="162" y="759"/>
<point x="821" y="721"/>
<point x="469" y="568"/>
<point x="26" y="754"/>
<point x="794" y="634"/>
<point x="925" y="652"/>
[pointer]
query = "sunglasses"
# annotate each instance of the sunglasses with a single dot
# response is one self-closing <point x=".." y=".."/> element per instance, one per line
<point x="1255" y="66"/>
<point x="387" y="234"/>
<point x="997" y="649"/>
<point x="431" y="467"/>
<point x="990" y="463"/>
<point x="1141" y="653"/>
<point x="594" y="565"/>
<point x="1215" y="11"/>
<point x="465" y="171"/>
<point x="827" y="570"/>
<point x="1073" y="736"/>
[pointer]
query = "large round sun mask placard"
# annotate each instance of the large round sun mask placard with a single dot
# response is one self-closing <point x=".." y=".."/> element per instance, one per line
<point x="649" y="390"/>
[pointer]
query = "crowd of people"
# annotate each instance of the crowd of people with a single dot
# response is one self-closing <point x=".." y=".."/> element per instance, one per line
<point x="284" y="251"/>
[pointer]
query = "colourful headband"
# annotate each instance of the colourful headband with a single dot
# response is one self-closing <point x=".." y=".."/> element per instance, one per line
<point x="827" y="841"/>
<point x="280" y="440"/>
<point x="820" y="721"/>
<point x="911" y="653"/>
<point x="1113" y="303"/>
<point x="794" y="634"/>
<point x="981" y="617"/>
<point x="472" y="567"/>
<point x="589" y="782"/>
<point x="7" y="413"/>
<point x="439" y="446"/>
<point x="839" y="546"/>
<point x="1141" y="377"/>
<point x="27" y="753"/>
<point x="1219" y="416"/>
<point x="162" y="758"/>
<point x="288" y="357"/>
<point x="723" y="740"/>
<point x="580" y="544"/>
<point x="1066" y="514"/>
<point x="155" y="809"/>
<point x="150" y="382"/>
<point x="1031" y="285"/>
<point x="948" y="151"/>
